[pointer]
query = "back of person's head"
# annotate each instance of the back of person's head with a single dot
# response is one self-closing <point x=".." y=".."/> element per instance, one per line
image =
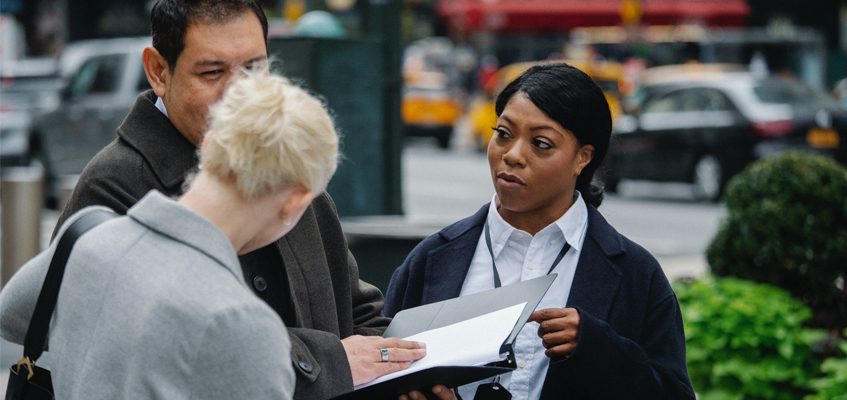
<point x="169" y="20"/>
<point x="572" y="99"/>
<point x="269" y="135"/>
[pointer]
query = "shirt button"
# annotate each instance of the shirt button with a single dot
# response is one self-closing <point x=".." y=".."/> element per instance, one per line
<point x="260" y="284"/>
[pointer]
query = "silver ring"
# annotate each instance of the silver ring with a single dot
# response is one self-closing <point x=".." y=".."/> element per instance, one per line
<point x="383" y="355"/>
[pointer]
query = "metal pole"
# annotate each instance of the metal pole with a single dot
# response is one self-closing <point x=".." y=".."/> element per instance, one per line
<point x="21" y="200"/>
<point x="382" y="22"/>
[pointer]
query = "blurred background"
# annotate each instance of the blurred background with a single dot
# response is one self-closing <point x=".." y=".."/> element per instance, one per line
<point x="701" y="91"/>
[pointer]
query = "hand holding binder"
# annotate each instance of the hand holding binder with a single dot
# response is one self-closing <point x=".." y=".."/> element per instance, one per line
<point x="452" y="358"/>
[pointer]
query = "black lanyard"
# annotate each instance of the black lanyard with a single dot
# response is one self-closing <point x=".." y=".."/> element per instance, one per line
<point x="497" y="284"/>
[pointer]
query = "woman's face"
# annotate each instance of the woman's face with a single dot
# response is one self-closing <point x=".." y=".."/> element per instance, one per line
<point x="534" y="162"/>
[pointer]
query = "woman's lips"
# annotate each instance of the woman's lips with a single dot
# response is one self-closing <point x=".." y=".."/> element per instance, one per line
<point x="508" y="181"/>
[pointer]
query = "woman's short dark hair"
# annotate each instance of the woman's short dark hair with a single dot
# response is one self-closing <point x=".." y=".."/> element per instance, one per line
<point x="169" y="20"/>
<point x="572" y="99"/>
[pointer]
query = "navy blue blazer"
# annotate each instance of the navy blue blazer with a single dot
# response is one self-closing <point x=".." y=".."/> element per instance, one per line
<point x="631" y="343"/>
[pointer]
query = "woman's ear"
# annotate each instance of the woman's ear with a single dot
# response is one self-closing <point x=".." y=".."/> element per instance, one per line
<point x="294" y="202"/>
<point x="584" y="155"/>
<point x="157" y="71"/>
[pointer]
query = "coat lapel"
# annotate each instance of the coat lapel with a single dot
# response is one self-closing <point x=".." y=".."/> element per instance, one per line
<point x="307" y="272"/>
<point x="597" y="279"/>
<point x="447" y="265"/>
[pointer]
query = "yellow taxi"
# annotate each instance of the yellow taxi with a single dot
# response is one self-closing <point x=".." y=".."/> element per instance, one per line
<point x="430" y="108"/>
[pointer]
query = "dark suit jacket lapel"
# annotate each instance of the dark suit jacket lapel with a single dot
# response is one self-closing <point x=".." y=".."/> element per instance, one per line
<point x="597" y="279"/>
<point x="169" y="154"/>
<point x="308" y="273"/>
<point x="447" y="265"/>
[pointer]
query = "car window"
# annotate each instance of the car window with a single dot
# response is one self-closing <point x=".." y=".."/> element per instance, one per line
<point x="669" y="102"/>
<point x="689" y="100"/>
<point x="97" y="75"/>
<point x="714" y="100"/>
<point x="778" y="91"/>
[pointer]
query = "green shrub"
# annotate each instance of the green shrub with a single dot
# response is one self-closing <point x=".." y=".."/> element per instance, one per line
<point x="833" y="385"/>
<point x="746" y="340"/>
<point x="786" y="225"/>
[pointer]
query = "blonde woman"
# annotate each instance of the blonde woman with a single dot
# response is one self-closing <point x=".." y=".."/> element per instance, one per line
<point x="154" y="303"/>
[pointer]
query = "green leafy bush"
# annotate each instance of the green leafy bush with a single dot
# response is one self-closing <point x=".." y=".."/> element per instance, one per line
<point x="746" y="340"/>
<point x="787" y="225"/>
<point x="833" y="385"/>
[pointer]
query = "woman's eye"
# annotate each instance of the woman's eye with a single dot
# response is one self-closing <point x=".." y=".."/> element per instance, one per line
<point x="542" y="144"/>
<point x="501" y="133"/>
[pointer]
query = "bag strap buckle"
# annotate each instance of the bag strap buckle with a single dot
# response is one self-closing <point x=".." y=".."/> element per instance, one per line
<point x="25" y="361"/>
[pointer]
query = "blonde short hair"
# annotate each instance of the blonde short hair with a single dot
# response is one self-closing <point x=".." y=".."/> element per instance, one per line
<point x="269" y="135"/>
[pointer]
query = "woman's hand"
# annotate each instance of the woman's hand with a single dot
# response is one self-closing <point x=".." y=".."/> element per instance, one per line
<point x="364" y="353"/>
<point x="558" y="329"/>
<point x="441" y="391"/>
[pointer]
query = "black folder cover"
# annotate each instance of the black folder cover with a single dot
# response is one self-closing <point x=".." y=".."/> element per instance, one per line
<point x="436" y="315"/>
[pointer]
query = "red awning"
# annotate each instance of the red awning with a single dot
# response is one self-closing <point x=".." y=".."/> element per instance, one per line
<point x="563" y="15"/>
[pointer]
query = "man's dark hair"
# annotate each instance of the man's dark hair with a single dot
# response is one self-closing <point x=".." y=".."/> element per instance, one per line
<point x="572" y="99"/>
<point x="169" y="20"/>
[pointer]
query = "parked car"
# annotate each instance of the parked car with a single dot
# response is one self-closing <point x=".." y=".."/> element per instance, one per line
<point x="704" y="125"/>
<point x="94" y="102"/>
<point x="431" y="111"/>
<point x="27" y="87"/>
<point x="432" y="99"/>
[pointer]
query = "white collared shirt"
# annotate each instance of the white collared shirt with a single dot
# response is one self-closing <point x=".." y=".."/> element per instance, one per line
<point x="520" y="256"/>
<point x="161" y="106"/>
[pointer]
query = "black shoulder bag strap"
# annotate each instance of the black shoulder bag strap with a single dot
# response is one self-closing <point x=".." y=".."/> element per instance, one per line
<point x="36" y="335"/>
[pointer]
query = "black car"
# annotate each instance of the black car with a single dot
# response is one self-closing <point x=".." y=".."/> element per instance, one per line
<point x="703" y="128"/>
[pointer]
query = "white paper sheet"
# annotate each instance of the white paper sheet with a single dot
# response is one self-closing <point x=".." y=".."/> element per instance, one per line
<point x="472" y="342"/>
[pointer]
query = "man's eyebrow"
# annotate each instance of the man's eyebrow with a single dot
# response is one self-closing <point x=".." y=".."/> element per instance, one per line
<point x="219" y="63"/>
<point x="257" y="59"/>
<point x="210" y="63"/>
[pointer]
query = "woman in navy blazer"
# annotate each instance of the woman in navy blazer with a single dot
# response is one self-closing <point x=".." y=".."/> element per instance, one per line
<point x="620" y="334"/>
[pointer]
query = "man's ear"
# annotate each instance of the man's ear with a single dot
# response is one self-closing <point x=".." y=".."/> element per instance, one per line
<point x="156" y="68"/>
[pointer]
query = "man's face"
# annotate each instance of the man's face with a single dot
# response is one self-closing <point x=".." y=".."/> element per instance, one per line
<point x="212" y="55"/>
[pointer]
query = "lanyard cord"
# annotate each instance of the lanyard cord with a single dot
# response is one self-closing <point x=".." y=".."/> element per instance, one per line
<point x="497" y="284"/>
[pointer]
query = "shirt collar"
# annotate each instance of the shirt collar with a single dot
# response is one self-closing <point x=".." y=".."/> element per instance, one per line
<point x="161" y="106"/>
<point x="571" y="225"/>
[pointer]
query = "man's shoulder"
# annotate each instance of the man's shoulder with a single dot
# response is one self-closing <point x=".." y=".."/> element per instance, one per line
<point x="118" y="165"/>
<point x="116" y="178"/>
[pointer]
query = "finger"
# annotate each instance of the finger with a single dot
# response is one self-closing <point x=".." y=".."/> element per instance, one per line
<point x="385" y="368"/>
<point x="415" y="395"/>
<point x="547" y="313"/>
<point x="443" y="393"/>
<point x="560" y="350"/>
<point x="553" y="325"/>
<point x="402" y="355"/>
<point x="401" y="344"/>
<point x="556" y="338"/>
<point x="568" y="322"/>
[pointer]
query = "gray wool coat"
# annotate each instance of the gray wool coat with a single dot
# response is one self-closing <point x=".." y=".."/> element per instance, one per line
<point x="309" y="276"/>
<point x="153" y="306"/>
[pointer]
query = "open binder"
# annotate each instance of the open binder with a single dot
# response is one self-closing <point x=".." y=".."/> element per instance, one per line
<point x="452" y="314"/>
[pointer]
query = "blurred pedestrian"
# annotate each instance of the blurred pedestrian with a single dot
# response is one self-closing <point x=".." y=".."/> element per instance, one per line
<point x="308" y="277"/>
<point x="153" y="304"/>
<point x="610" y="325"/>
